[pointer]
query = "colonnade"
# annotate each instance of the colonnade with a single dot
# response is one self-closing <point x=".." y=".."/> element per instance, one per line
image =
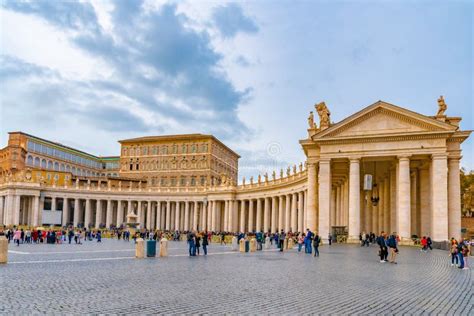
<point x="274" y="213"/>
<point x="415" y="197"/>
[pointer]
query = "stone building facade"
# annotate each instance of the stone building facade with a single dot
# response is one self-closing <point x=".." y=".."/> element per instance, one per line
<point x="382" y="168"/>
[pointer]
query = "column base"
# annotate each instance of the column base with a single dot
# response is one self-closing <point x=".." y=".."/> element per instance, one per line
<point x="406" y="242"/>
<point x="353" y="240"/>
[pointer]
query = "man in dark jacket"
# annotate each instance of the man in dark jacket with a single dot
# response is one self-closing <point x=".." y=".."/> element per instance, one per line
<point x="383" y="252"/>
<point x="316" y="242"/>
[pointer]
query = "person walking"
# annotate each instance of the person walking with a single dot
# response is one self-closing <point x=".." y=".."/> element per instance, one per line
<point x="307" y="241"/>
<point x="429" y="242"/>
<point x="465" y="254"/>
<point x="197" y="244"/>
<point x="17" y="237"/>
<point x="383" y="251"/>
<point x="281" y="240"/>
<point x="191" y="243"/>
<point x="460" y="254"/>
<point x="330" y="239"/>
<point x="205" y="243"/>
<point x="300" y="241"/>
<point x="393" y="247"/>
<point x="259" y="237"/>
<point x="316" y="242"/>
<point x="454" y="252"/>
<point x="424" y="244"/>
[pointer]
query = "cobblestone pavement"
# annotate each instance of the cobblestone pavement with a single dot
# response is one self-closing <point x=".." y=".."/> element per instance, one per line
<point x="345" y="279"/>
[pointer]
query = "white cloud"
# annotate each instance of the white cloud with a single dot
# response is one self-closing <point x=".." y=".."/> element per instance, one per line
<point x="33" y="40"/>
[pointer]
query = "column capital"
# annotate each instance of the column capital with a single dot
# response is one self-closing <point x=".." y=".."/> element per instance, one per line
<point x="354" y="159"/>
<point x="404" y="157"/>
<point x="454" y="159"/>
<point x="325" y="160"/>
<point x="439" y="156"/>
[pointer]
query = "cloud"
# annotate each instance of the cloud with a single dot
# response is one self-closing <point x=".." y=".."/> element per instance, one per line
<point x="161" y="76"/>
<point x="230" y="20"/>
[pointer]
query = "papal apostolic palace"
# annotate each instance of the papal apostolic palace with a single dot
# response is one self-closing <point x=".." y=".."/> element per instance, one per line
<point x="382" y="168"/>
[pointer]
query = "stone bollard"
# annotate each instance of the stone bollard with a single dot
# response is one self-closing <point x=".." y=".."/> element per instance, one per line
<point x="3" y="249"/>
<point x="234" y="244"/>
<point x="140" y="249"/>
<point x="164" y="247"/>
<point x="291" y="243"/>
<point x="267" y="243"/>
<point x="242" y="245"/>
<point x="253" y="245"/>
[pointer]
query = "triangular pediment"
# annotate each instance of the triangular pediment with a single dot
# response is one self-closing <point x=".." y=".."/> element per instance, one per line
<point x="383" y="118"/>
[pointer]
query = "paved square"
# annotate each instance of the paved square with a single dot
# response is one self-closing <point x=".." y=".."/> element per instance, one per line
<point x="105" y="278"/>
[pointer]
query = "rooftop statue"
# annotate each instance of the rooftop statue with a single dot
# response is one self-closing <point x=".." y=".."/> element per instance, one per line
<point x="311" y="123"/>
<point x="441" y="106"/>
<point x="324" y="115"/>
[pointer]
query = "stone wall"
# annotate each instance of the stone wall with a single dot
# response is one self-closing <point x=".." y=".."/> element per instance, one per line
<point x="468" y="224"/>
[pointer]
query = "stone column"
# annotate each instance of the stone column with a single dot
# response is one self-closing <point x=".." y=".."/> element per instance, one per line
<point x="195" y="216"/>
<point x="413" y="203"/>
<point x="439" y="198"/>
<point x="287" y="212"/>
<point x="354" y="200"/>
<point x="333" y="208"/>
<point x="275" y="226"/>
<point x="147" y="221"/>
<point x="312" y="197"/>
<point x="87" y="214"/>
<point x="119" y="220"/>
<point x="454" y="199"/>
<point x="403" y="199"/>
<point x="338" y="206"/>
<point x="177" y="216"/>
<point x="204" y="216"/>
<point x="393" y="200"/>
<point x="209" y="215"/>
<point x="108" y="214"/>
<point x="387" y="205"/>
<point x="345" y="200"/>
<point x="294" y="219"/>
<point x="140" y="214"/>
<point x="381" y="208"/>
<point x="230" y="219"/>
<point x="300" y="212"/>
<point x="36" y="210"/>
<point x="76" y="212"/>
<point x="65" y="217"/>
<point x="242" y="216"/>
<point x="325" y="197"/>
<point x="168" y="215"/>
<point x="2" y="201"/>
<point x="226" y="215"/>
<point x="259" y="215"/>
<point x="98" y="214"/>
<point x="279" y="212"/>
<point x="53" y="203"/>
<point x="186" y="215"/>
<point x="251" y="226"/>
<point x="266" y="215"/>
<point x="158" y="215"/>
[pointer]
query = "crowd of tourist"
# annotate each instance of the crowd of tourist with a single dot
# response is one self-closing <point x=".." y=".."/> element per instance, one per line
<point x="310" y="241"/>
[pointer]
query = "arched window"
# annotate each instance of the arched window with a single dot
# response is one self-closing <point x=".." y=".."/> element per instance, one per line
<point x="56" y="166"/>
<point x="62" y="167"/>
<point x="29" y="161"/>
<point x="50" y="165"/>
<point x="68" y="168"/>
<point x="73" y="170"/>
<point x="37" y="162"/>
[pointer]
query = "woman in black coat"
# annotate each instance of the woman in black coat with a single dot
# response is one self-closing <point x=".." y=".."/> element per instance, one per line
<point x="205" y="242"/>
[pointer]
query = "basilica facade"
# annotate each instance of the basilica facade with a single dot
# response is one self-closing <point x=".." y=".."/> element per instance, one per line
<point x="384" y="168"/>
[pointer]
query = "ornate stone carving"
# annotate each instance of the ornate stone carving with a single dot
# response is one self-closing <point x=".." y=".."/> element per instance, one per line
<point x="301" y="166"/>
<point x="266" y="176"/>
<point x="273" y="175"/>
<point x="441" y="106"/>
<point x="288" y="171"/>
<point x="324" y="115"/>
<point x="281" y="173"/>
<point x="311" y="123"/>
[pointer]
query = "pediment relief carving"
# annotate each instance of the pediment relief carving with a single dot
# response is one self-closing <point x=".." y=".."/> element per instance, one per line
<point x="383" y="120"/>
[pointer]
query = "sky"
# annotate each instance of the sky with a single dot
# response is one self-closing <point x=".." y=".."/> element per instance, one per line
<point x="89" y="73"/>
